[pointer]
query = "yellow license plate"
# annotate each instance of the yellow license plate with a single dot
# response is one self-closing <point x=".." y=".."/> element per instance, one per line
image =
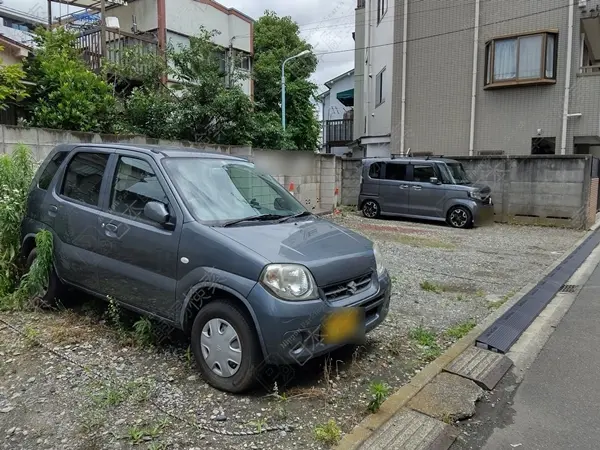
<point x="342" y="326"/>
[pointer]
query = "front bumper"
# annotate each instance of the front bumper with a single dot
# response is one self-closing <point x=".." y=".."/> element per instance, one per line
<point x="291" y="330"/>
<point x="483" y="214"/>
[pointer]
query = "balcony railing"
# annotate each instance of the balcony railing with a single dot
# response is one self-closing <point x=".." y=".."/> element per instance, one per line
<point x="338" y="132"/>
<point x="90" y="43"/>
<point x="360" y="4"/>
<point x="589" y="70"/>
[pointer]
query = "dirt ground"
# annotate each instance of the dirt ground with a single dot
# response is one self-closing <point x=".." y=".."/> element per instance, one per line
<point x="91" y="385"/>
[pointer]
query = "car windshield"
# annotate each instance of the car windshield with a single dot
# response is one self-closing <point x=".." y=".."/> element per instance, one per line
<point x="219" y="191"/>
<point x="458" y="173"/>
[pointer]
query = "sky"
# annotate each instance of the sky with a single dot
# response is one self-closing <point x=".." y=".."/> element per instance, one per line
<point x="326" y="24"/>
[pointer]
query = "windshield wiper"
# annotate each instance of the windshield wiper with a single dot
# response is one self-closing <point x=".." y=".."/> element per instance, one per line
<point x="302" y="214"/>
<point x="253" y="218"/>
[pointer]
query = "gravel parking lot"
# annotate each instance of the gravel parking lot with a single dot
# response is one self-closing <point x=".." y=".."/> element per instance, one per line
<point x="92" y="386"/>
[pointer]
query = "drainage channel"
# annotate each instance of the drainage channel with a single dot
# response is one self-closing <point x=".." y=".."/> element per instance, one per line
<point x="504" y="332"/>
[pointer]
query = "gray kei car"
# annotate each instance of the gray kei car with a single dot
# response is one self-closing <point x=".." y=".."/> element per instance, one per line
<point x="206" y="243"/>
<point x="424" y="188"/>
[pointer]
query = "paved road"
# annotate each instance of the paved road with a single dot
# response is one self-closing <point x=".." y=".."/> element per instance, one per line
<point x="557" y="405"/>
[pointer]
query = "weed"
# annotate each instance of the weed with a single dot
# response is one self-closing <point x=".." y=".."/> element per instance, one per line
<point x="460" y="298"/>
<point x="135" y="434"/>
<point x="415" y="241"/>
<point x="31" y="336"/>
<point x="431" y="353"/>
<point x="447" y="418"/>
<point x="157" y="446"/>
<point x="427" y="340"/>
<point x="259" y="424"/>
<point x="112" y="393"/>
<point x="480" y="293"/>
<point x="431" y="287"/>
<point x="461" y="329"/>
<point x="328" y="433"/>
<point x="92" y="421"/>
<point x="379" y="392"/>
<point x="189" y="357"/>
<point x="142" y="332"/>
<point x="114" y="313"/>
<point x="497" y="304"/>
<point x="394" y="279"/>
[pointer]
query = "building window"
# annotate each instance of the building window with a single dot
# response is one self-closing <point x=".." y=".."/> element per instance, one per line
<point x="379" y="98"/>
<point x="382" y="7"/>
<point x="543" y="146"/>
<point x="525" y="59"/>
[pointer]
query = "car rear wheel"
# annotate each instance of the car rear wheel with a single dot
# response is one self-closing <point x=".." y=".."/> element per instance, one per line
<point x="52" y="290"/>
<point x="371" y="209"/>
<point x="460" y="217"/>
<point x="225" y="346"/>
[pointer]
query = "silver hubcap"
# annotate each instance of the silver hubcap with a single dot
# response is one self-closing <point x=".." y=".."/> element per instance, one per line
<point x="221" y="347"/>
<point x="459" y="218"/>
<point x="370" y="209"/>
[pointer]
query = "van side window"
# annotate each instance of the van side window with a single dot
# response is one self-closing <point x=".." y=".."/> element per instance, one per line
<point x="395" y="171"/>
<point x="51" y="169"/>
<point x="134" y="185"/>
<point x="375" y="170"/>
<point x="84" y="177"/>
<point x="423" y="172"/>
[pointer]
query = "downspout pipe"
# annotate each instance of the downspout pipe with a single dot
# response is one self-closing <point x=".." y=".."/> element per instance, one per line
<point x="565" y="118"/>
<point x="404" y="71"/>
<point x="474" y="80"/>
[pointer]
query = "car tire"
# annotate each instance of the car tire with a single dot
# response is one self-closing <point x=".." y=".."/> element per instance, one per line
<point x="209" y="332"/>
<point x="55" y="287"/>
<point x="460" y="217"/>
<point x="371" y="209"/>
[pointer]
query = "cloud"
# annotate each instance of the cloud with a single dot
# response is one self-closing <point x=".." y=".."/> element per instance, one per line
<point x="326" y="24"/>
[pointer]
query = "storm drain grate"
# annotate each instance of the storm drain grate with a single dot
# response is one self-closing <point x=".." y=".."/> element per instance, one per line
<point x="568" y="288"/>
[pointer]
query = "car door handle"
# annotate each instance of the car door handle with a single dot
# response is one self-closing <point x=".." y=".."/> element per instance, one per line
<point x="52" y="210"/>
<point x="417" y="188"/>
<point x="111" y="228"/>
<point x="403" y="186"/>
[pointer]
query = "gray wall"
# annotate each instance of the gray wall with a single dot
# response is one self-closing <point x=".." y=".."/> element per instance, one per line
<point x="351" y="169"/>
<point x="440" y="73"/>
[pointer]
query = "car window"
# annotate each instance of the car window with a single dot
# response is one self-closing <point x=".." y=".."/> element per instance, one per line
<point x="134" y="185"/>
<point x="423" y="172"/>
<point x="83" y="178"/>
<point x="395" y="171"/>
<point x="375" y="170"/>
<point x="51" y="169"/>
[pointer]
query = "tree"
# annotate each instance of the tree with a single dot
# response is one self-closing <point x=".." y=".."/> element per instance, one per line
<point x="66" y="94"/>
<point x="276" y="39"/>
<point x="12" y="88"/>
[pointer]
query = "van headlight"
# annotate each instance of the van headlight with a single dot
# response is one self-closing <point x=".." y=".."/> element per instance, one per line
<point x="378" y="260"/>
<point x="475" y="194"/>
<point x="289" y="282"/>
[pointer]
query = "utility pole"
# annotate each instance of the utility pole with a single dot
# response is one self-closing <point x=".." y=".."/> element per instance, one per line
<point x="49" y="14"/>
<point x="103" y="28"/>
<point x="305" y="52"/>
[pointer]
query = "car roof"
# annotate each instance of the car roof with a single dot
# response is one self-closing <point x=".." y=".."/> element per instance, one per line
<point x="165" y="151"/>
<point x="412" y="159"/>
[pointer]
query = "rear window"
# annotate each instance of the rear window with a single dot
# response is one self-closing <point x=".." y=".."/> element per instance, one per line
<point x="375" y="170"/>
<point x="84" y="177"/>
<point x="51" y="169"/>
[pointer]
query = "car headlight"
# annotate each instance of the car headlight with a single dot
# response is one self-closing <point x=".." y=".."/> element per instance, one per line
<point x="475" y="194"/>
<point x="289" y="282"/>
<point x="378" y="260"/>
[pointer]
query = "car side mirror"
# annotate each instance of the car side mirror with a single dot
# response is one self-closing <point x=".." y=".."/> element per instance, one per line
<point x="279" y="204"/>
<point x="434" y="180"/>
<point x="157" y="212"/>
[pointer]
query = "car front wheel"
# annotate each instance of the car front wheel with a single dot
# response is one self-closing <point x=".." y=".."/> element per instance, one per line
<point x="460" y="217"/>
<point x="225" y="346"/>
<point x="52" y="289"/>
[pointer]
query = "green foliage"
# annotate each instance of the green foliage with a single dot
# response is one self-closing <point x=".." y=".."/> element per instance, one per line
<point x="142" y="331"/>
<point x="16" y="173"/>
<point x="379" y="392"/>
<point x="36" y="279"/>
<point x="430" y="286"/>
<point x="328" y="433"/>
<point x="461" y="329"/>
<point x="66" y="95"/>
<point x="427" y="340"/>
<point x="276" y="39"/>
<point x="12" y="88"/>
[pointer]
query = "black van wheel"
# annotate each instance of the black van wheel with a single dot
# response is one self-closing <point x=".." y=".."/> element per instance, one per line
<point x="47" y="297"/>
<point x="225" y="346"/>
<point x="460" y="217"/>
<point x="370" y="209"/>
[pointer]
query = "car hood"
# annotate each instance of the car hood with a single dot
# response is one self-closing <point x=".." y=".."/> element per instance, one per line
<point x="332" y="253"/>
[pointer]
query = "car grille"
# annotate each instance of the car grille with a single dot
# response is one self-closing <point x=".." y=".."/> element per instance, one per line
<point x="347" y="288"/>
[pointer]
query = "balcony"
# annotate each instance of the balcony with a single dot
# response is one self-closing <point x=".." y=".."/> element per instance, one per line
<point x="337" y="133"/>
<point x="90" y="44"/>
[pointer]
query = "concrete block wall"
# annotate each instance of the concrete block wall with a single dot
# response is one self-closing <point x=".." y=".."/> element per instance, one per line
<point x="351" y="170"/>
<point x="554" y="190"/>
<point x="592" y="206"/>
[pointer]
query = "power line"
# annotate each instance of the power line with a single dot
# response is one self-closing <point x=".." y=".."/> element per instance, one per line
<point x="445" y="33"/>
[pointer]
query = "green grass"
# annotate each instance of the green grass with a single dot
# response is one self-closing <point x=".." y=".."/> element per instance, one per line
<point x="379" y="392"/>
<point x="461" y="329"/>
<point x="328" y="433"/>
<point x="426" y="339"/>
<point x="431" y="286"/>
<point x="113" y="393"/>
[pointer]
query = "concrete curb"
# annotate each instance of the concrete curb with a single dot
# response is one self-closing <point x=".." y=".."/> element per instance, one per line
<point x="399" y="399"/>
